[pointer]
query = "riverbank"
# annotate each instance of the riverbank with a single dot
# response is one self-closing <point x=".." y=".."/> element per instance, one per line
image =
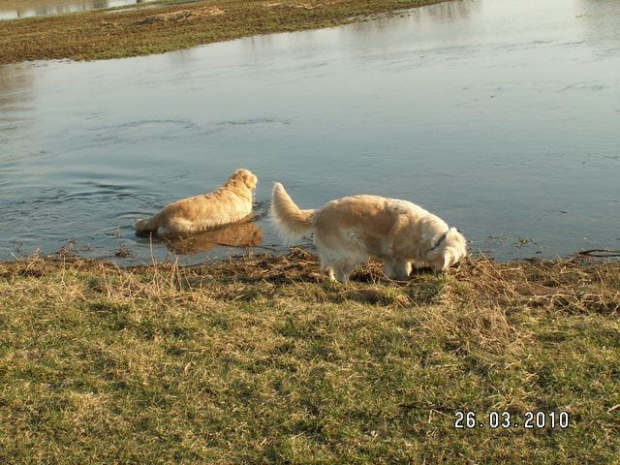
<point x="96" y="35"/>
<point x="259" y="360"/>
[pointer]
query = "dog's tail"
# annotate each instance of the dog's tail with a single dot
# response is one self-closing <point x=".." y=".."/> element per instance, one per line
<point x="147" y="225"/>
<point x="291" y="223"/>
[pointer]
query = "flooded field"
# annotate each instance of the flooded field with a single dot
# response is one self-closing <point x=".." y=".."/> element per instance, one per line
<point x="501" y="117"/>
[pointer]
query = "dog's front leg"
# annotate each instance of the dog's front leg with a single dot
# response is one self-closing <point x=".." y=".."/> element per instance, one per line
<point x="398" y="270"/>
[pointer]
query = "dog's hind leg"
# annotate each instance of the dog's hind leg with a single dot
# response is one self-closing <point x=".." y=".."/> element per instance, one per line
<point x="336" y="268"/>
<point x="178" y="226"/>
<point x="343" y="270"/>
<point x="345" y="266"/>
<point x="327" y="261"/>
<point x="342" y="276"/>
<point x="328" y="270"/>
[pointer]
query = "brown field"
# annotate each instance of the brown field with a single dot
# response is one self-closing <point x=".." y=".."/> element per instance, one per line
<point x="130" y="32"/>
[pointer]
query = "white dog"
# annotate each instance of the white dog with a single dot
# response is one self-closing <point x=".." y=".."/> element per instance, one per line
<point x="228" y="204"/>
<point x="349" y="230"/>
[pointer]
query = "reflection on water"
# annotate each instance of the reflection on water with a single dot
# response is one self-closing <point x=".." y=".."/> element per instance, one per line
<point x="16" y="97"/>
<point x="16" y="85"/>
<point x="11" y="10"/>
<point x="242" y="235"/>
<point x="600" y="28"/>
<point x="499" y="116"/>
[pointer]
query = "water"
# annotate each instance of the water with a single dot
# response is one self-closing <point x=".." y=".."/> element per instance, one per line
<point x="10" y="10"/>
<point x="500" y="117"/>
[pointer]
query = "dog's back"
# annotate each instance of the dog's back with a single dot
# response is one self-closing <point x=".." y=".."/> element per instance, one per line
<point x="228" y="204"/>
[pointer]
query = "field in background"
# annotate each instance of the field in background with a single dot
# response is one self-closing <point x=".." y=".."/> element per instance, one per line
<point x="142" y="31"/>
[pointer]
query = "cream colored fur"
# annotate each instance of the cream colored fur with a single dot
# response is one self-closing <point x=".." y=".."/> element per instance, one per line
<point x="349" y="230"/>
<point x="228" y="204"/>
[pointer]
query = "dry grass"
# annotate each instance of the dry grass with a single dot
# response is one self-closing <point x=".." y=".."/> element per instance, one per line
<point x="259" y="360"/>
<point x="142" y="31"/>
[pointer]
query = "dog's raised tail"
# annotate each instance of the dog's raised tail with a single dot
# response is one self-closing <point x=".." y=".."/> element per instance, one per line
<point x="291" y="223"/>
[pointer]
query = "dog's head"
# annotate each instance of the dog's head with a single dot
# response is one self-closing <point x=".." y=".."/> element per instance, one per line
<point x="246" y="178"/>
<point x="451" y="249"/>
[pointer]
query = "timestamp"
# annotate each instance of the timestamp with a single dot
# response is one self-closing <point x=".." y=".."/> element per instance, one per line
<point x="505" y="420"/>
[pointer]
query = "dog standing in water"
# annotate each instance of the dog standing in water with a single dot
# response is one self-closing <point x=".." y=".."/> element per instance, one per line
<point x="349" y="230"/>
<point x="228" y="204"/>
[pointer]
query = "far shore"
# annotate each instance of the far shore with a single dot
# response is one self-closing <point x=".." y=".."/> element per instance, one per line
<point x="166" y="26"/>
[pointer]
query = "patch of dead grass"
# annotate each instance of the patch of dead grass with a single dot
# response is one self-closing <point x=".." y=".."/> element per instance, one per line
<point x="181" y="15"/>
<point x="261" y="360"/>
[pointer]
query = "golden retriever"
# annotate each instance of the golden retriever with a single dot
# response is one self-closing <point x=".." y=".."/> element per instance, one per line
<point x="349" y="230"/>
<point x="228" y="204"/>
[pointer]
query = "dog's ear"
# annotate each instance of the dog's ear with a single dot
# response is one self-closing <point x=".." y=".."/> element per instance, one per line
<point x="455" y="233"/>
<point x="459" y="245"/>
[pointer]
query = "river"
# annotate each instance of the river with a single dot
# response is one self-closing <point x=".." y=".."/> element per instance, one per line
<point x="500" y="116"/>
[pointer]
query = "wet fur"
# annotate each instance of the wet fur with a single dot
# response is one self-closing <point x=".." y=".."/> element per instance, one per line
<point x="349" y="230"/>
<point x="228" y="204"/>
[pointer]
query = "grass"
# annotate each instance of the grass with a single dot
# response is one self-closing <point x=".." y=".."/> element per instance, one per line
<point x="131" y="32"/>
<point x="259" y="360"/>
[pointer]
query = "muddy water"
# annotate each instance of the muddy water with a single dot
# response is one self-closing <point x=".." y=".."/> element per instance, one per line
<point x="13" y="9"/>
<point x="501" y="116"/>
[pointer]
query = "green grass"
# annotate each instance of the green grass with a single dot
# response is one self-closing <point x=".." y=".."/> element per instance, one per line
<point x="130" y="32"/>
<point x="261" y="361"/>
